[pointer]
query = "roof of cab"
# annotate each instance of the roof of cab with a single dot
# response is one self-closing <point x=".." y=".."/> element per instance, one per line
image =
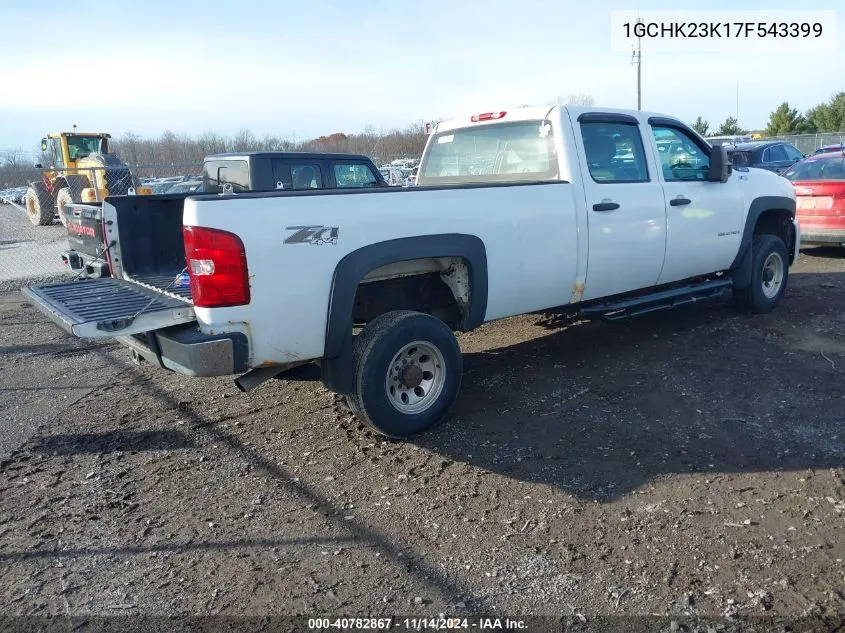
<point x="529" y="113"/>
<point x="267" y="154"/>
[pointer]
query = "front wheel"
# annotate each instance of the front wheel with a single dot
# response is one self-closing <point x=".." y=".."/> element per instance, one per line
<point x="407" y="370"/>
<point x="769" y="274"/>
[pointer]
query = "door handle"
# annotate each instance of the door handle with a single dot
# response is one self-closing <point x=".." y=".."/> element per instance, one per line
<point x="605" y="206"/>
<point x="679" y="201"/>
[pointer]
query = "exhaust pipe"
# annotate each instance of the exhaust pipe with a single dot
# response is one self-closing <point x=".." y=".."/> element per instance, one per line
<point x="254" y="377"/>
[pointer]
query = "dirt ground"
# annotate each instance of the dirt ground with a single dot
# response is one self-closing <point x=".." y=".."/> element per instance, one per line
<point x="690" y="462"/>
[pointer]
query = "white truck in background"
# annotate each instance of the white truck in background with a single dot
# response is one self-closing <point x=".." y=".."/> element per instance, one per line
<point x="570" y="208"/>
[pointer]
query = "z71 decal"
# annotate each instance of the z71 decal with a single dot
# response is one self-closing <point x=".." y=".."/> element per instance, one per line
<point x="315" y="235"/>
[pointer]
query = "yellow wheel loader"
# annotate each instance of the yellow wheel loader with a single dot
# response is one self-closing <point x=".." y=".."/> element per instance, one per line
<point x="82" y="169"/>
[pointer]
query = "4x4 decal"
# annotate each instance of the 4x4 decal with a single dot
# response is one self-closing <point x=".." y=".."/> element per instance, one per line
<point x="316" y="235"/>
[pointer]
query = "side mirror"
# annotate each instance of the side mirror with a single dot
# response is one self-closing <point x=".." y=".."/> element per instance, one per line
<point x="39" y="166"/>
<point x="43" y="144"/>
<point x="720" y="165"/>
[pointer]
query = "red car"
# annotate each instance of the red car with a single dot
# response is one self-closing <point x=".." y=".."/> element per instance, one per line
<point x="819" y="182"/>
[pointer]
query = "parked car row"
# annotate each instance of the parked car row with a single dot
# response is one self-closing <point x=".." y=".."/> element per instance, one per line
<point x="819" y="182"/>
<point x="401" y="172"/>
<point x="173" y="184"/>
<point x="16" y="195"/>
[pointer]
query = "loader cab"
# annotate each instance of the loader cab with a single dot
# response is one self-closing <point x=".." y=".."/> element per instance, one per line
<point x="65" y="149"/>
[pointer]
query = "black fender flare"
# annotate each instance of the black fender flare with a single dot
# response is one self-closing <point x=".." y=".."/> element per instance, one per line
<point x="75" y="184"/>
<point x="337" y="356"/>
<point x="741" y="267"/>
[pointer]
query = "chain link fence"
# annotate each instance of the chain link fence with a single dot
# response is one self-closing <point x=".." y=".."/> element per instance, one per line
<point x="32" y="235"/>
<point x="809" y="143"/>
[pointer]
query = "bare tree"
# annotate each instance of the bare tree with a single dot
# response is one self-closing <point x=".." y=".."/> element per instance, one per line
<point x="580" y="99"/>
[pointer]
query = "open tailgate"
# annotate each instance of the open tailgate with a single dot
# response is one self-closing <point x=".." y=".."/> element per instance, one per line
<point x="109" y="307"/>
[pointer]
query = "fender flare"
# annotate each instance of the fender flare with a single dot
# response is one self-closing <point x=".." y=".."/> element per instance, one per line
<point x="741" y="267"/>
<point x="75" y="184"/>
<point x="337" y="356"/>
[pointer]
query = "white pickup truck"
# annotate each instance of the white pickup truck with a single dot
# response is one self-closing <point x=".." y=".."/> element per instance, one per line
<point x="533" y="209"/>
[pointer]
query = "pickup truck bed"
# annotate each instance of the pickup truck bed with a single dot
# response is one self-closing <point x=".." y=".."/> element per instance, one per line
<point x="251" y="171"/>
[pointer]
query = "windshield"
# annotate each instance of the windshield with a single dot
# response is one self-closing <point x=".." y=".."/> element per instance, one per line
<point x="828" y="168"/>
<point x="82" y="146"/>
<point x="500" y="152"/>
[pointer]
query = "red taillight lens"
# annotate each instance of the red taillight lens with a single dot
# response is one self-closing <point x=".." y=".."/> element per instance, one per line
<point x="217" y="267"/>
<point x="487" y="116"/>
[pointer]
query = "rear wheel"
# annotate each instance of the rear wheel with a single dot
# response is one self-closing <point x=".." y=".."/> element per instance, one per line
<point x="407" y="370"/>
<point x="39" y="205"/>
<point x="63" y="198"/>
<point x="769" y="274"/>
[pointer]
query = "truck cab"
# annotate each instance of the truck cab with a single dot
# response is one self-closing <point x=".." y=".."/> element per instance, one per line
<point x="268" y="171"/>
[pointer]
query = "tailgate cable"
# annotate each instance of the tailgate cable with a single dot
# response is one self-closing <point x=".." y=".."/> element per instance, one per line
<point x="131" y="319"/>
<point x="152" y="341"/>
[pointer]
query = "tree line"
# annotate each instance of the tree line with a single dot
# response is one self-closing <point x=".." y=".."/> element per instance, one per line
<point x="181" y="149"/>
<point x="785" y="120"/>
<point x="171" y="148"/>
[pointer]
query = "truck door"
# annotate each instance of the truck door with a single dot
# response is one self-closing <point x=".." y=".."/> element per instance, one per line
<point x="625" y="206"/>
<point x="704" y="219"/>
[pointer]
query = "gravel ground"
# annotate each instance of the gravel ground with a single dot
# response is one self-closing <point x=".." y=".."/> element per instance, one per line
<point x="690" y="462"/>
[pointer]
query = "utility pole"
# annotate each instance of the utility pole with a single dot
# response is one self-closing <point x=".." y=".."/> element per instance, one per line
<point x="637" y="58"/>
<point x="737" y="103"/>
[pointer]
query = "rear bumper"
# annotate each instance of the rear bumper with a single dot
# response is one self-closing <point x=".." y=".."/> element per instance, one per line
<point x="186" y="350"/>
<point x="84" y="264"/>
<point x="812" y="235"/>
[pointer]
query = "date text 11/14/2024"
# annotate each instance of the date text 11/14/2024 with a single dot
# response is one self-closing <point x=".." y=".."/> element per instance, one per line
<point x="417" y="624"/>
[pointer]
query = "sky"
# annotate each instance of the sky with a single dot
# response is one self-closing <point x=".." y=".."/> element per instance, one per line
<point x="300" y="69"/>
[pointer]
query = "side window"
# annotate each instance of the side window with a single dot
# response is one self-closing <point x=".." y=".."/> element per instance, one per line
<point x="793" y="153"/>
<point x="354" y="175"/>
<point x="684" y="160"/>
<point x="306" y="176"/>
<point x="614" y="152"/>
<point x="56" y="149"/>
<point x="776" y="154"/>
<point x="281" y="174"/>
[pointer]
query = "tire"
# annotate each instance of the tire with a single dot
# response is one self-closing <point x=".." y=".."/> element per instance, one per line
<point x="39" y="205"/>
<point x="769" y="275"/>
<point x="63" y="198"/>
<point x="398" y="399"/>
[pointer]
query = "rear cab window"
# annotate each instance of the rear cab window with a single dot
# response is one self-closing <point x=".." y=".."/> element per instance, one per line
<point x="498" y="152"/>
<point x="217" y="173"/>
<point x="348" y="174"/>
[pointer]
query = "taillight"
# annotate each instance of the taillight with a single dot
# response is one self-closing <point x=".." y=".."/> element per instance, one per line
<point x="487" y="116"/>
<point x="217" y="267"/>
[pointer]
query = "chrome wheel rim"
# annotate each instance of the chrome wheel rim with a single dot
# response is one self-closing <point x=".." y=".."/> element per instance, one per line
<point x="772" y="275"/>
<point x="30" y="207"/>
<point x="61" y="208"/>
<point x="415" y="377"/>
